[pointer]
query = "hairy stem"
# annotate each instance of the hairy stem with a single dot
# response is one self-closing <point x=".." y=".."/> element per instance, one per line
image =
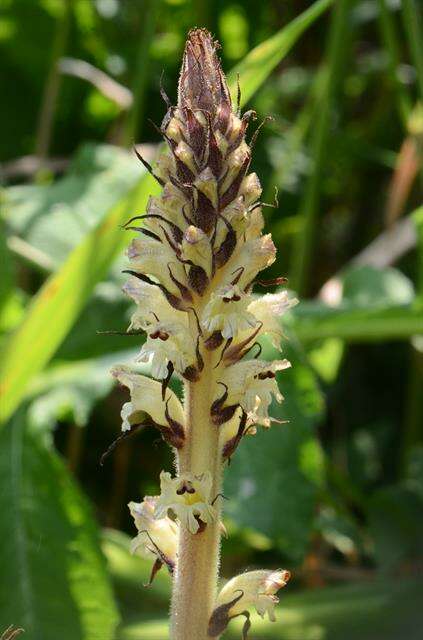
<point x="194" y="588"/>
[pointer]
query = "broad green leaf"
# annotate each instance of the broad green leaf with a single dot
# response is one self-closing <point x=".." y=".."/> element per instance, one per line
<point x="326" y="358"/>
<point x="70" y="390"/>
<point x="108" y="309"/>
<point x="53" y="582"/>
<point x="367" y="286"/>
<point x="273" y="478"/>
<point x="260" y="62"/>
<point x="61" y="299"/>
<point x="54" y="218"/>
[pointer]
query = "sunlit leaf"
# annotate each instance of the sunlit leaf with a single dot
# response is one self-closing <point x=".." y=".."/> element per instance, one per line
<point x="366" y="286"/>
<point x="7" y="276"/>
<point x="70" y="390"/>
<point x="54" y="218"/>
<point x="53" y="581"/>
<point x="60" y="300"/>
<point x="315" y="321"/>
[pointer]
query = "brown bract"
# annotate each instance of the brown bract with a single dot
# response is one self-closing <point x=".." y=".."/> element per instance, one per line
<point x="202" y="84"/>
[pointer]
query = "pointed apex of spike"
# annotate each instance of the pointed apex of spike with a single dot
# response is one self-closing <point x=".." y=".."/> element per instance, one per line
<point x="202" y="83"/>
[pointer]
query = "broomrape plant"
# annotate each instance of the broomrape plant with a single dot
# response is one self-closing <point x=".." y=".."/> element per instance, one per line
<point x="192" y="271"/>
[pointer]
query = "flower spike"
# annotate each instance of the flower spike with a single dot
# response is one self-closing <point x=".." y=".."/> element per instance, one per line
<point x="192" y="267"/>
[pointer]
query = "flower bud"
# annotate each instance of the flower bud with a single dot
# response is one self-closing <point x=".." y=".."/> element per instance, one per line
<point x="196" y="248"/>
<point x="251" y="189"/>
<point x="206" y="183"/>
<point x="202" y="84"/>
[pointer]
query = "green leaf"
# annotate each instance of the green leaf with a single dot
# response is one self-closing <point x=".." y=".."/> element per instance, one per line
<point x="53" y="581"/>
<point x="7" y="276"/>
<point x="108" y="309"/>
<point x="61" y="299"/>
<point x="273" y="478"/>
<point x="70" y="390"/>
<point x="376" y="305"/>
<point x="325" y="357"/>
<point x="54" y="218"/>
<point x="316" y="321"/>
<point x="260" y="62"/>
<point x="367" y="286"/>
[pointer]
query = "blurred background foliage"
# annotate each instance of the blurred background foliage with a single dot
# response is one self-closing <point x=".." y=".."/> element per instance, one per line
<point x="336" y="493"/>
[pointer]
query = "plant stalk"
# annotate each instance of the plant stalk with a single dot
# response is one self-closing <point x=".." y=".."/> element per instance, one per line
<point x="303" y="251"/>
<point x="391" y="44"/>
<point x="140" y="82"/>
<point x="51" y="89"/>
<point x="195" y="581"/>
<point x="413" y="27"/>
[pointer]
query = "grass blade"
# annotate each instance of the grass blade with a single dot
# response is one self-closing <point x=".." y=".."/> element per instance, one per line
<point x="359" y="325"/>
<point x="7" y="277"/>
<point x="336" y="50"/>
<point x="413" y="26"/>
<point x="390" y="40"/>
<point x="260" y="62"/>
<point x="142" y="72"/>
<point x="62" y="297"/>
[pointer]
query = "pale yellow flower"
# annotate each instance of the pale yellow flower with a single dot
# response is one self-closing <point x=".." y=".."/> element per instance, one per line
<point x="228" y="313"/>
<point x="157" y="537"/>
<point x="258" y="589"/>
<point x="188" y="498"/>
<point x="146" y="397"/>
<point x="252" y="384"/>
